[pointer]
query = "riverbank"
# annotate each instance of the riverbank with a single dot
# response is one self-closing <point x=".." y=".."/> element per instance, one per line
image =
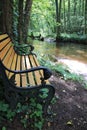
<point x="75" y="67"/>
<point x="67" y="38"/>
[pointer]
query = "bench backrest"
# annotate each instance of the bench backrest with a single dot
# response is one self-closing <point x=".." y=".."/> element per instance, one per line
<point x="14" y="61"/>
<point x="5" y="47"/>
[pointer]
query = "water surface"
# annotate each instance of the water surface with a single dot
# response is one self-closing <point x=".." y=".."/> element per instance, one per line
<point x="72" y="54"/>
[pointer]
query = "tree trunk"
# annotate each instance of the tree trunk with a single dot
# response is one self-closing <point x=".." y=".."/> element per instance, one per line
<point x="83" y="7"/>
<point x="27" y="13"/>
<point x="68" y="17"/>
<point x="79" y="7"/>
<point x="23" y="19"/>
<point x="57" y="12"/>
<point x="7" y="17"/>
<point x="1" y="16"/>
<point x="85" y="16"/>
<point x="20" y="21"/>
<point x="58" y="21"/>
<point x="75" y="7"/>
<point x="64" y="16"/>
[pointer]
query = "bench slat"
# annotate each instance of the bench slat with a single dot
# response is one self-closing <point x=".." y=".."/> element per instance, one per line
<point x="36" y="73"/>
<point x="4" y="43"/>
<point x="8" y="65"/>
<point x="8" y="56"/>
<point x="41" y="72"/>
<point x="24" y="76"/>
<point x="5" y="51"/>
<point x="30" y="75"/>
<point x="13" y="66"/>
<point x="37" y="64"/>
<point x="7" y="59"/>
<point x="3" y="36"/>
<point x="17" y="76"/>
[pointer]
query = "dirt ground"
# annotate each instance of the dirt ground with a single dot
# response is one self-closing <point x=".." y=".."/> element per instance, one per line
<point x="70" y="109"/>
<point x="71" y="106"/>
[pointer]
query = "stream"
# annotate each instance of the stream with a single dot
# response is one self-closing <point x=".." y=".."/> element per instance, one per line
<point x="71" y="54"/>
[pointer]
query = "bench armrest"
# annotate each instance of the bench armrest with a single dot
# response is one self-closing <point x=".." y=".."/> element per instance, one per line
<point x="46" y="72"/>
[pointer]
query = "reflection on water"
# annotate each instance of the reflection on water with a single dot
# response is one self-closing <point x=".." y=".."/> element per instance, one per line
<point x="74" y="55"/>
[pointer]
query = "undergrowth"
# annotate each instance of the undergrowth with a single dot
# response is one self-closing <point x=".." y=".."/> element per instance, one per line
<point x="61" y="70"/>
<point x="30" y="114"/>
<point x="27" y="113"/>
<point x="74" y="37"/>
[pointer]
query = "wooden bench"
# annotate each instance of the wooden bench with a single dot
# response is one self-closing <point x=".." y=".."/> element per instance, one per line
<point x="22" y="75"/>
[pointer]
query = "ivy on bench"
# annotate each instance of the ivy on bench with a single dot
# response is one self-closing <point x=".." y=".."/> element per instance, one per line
<point x="23" y="49"/>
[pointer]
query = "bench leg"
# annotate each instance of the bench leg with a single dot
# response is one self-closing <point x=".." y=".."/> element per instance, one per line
<point x="11" y="96"/>
<point x="51" y="92"/>
<point x="42" y="93"/>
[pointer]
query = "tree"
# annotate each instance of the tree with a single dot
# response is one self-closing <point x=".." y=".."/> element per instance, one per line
<point x="6" y="16"/>
<point x="47" y="17"/>
<point x="64" y="16"/>
<point x="24" y="10"/>
<point x="85" y="16"/>
<point x="58" y="17"/>
<point x="9" y="24"/>
<point x="1" y="16"/>
<point x="68" y="16"/>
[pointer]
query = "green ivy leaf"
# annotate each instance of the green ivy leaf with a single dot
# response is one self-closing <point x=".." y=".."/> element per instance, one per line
<point x="3" y="128"/>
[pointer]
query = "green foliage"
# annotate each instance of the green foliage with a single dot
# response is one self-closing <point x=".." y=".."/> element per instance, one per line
<point x="37" y="115"/>
<point x="44" y="93"/>
<point x="3" y="128"/>
<point x="72" y="17"/>
<point x="85" y="84"/>
<point x="5" y="111"/>
<point x="30" y="113"/>
<point x="22" y="49"/>
<point x="73" y="37"/>
<point x="62" y="71"/>
<point x="54" y="100"/>
<point x="43" y="17"/>
<point x="43" y="14"/>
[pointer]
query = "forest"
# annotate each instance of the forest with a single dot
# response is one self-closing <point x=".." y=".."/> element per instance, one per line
<point x="58" y="31"/>
<point x="61" y="19"/>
